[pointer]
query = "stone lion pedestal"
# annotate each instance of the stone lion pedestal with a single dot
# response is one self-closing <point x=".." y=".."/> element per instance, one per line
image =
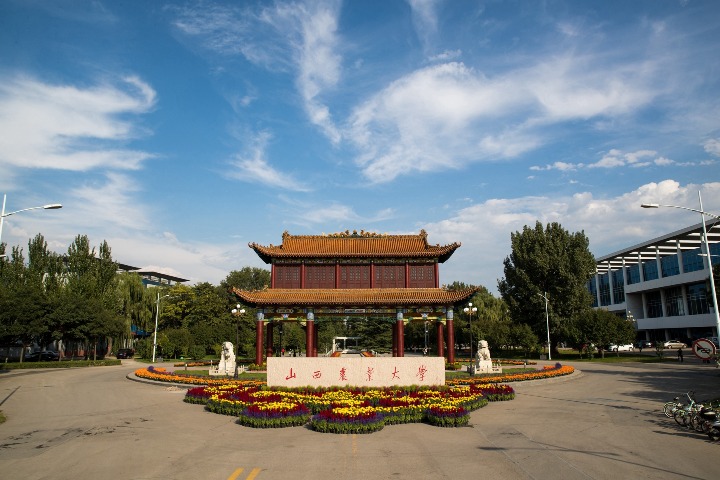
<point x="226" y="366"/>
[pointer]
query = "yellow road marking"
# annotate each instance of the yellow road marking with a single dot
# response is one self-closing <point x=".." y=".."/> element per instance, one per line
<point x="236" y="474"/>
<point x="253" y="473"/>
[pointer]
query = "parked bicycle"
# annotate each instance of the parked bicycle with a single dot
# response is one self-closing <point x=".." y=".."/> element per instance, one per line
<point x="670" y="407"/>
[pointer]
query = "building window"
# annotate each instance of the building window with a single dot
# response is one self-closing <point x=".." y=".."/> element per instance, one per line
<point x="650" y="270"/>
<point x="654" y="304"/>
<point x="287" y="276"/>
<point x="633" y="272"/>
<point x="604" y="281"/>
<point x="697" y="299"/>
<point x="669" y="266"/>
<point x="674" y="302"/>
<point x="320" y="276"/>
<point x="355" y="276"/>
<point x="692" y="261"/>
<point x="422" y="276"/>
<point x="618" y="286"/>
<point x="593" y="291"/>
<point x="715" y="253"/>
<point x="389" y="276"/>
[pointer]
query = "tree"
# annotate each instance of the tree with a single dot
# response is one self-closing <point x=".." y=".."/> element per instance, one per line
<point x="375" y="333"/>
<point x="247" y="278"/>
<point x="492" y="322"/>
<point x="553" y="262"/>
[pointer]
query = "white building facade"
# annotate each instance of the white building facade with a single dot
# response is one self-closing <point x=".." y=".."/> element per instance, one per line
<point x="663" y="284"/>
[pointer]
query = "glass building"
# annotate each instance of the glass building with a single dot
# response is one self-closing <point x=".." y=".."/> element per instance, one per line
<point x="663" y="284"/>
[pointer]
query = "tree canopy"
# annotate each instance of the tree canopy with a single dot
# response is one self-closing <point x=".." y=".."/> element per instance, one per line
<point x="552" y="262"/>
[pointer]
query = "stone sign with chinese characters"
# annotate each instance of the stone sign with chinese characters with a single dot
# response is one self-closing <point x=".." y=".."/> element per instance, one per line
<point x="355" y="371"/>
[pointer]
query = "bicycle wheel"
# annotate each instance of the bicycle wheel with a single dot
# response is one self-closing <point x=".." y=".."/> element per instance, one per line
<point x="697" y="423"/>
<point x="714" y="434"/>
<point x="679" y="417"/>
<point x="669" y="408"/>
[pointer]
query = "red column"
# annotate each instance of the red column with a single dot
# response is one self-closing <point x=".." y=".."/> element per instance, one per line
<point x="401" y="338"/>
<point x="259" y="342"/>
<point x="450" y="340"/>
<point x="440" y="340"/>
<point x="269" y="340"/>
<point x="302" y="275"/>
<point x="437" y="276"/>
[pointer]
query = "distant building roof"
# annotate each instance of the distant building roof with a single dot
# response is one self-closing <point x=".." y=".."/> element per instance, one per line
<point x="688" y="238"/>
<point x="151" y="276"/>
<point x="354" y="245"/>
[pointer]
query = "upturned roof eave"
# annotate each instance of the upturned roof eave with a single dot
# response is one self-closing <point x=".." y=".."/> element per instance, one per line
<point x="352" y="297"/>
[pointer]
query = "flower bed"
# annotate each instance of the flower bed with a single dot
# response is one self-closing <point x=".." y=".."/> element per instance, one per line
<point x="349" y="410"/>
<point x="447" y="416"/>
<point x="358" y="419"/>
<point x="274" y="415"/>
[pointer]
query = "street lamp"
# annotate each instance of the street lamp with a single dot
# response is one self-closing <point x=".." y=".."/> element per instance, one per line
<point x="707" y="250"/>
<point x="238" y="312"/>
<point x="469" y="310"/>
<point x="547" y="323"/>
<point x="157" y="315"/>
<point x="52" y="206"/>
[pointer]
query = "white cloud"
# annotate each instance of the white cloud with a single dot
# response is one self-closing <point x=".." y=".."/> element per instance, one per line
<point x="334" y="215"/>
<point x="424" y="19"/>
<point x="295" y="36"/>
<point x="616" y="158"/>
<point x="68" y="127"/>
<point x="610" y="224"/>
<point x="429" y="119"/>
<point x="252" y="166"/>
<point x="712" y="147"/>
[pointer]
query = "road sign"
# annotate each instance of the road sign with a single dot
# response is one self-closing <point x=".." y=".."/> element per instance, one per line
<point x="703" y="348"/>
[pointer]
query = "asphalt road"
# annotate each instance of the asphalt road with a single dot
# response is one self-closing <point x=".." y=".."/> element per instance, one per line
<point x="604" y="423"/>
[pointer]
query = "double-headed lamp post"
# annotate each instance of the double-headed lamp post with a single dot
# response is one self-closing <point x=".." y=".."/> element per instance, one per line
<point x="52" y="206"/>
<point x="547" y="323"/>
<point x="157" y="316"/>
<point x="238" y="312"/>
<point x="469" y="310"/>
<point x="707" y="250"/>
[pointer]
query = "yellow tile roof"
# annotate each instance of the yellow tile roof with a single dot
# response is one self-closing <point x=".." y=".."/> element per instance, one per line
<point x="357" y="297"/>
<point x="355" y="245"/>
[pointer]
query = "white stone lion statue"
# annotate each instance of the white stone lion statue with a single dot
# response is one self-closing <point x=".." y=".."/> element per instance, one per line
<point x="226" y="366"/>
<point x="483" y="352"/>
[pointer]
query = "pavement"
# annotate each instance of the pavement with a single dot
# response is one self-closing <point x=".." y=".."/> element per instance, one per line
<point x="604" y="422"/>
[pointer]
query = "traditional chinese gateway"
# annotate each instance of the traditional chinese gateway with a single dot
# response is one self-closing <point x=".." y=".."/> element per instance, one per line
<point x="354" y="274"/>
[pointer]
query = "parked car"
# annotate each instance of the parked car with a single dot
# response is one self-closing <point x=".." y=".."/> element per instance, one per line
<point x="44" y="356"/>
<point x="628" y="347"/>
<point x="674" y="344"/>
<point x="125" y="353"/>
<point x="644" y="344"/>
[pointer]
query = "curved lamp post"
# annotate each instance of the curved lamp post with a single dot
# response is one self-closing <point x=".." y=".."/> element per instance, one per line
<point x="52" y="206"/>
<point x="547" y="323"/>
<point x="238" y="312"/>
<point x="157" y="315"/>
<point x="707" y="249"/>
<point x="470" y="310"/>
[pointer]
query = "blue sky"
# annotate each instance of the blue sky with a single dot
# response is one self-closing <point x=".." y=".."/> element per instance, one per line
<point x="181" y="131"/>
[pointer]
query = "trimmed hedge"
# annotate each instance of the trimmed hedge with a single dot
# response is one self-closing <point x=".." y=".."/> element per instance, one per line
<point x="61" y="364"/>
